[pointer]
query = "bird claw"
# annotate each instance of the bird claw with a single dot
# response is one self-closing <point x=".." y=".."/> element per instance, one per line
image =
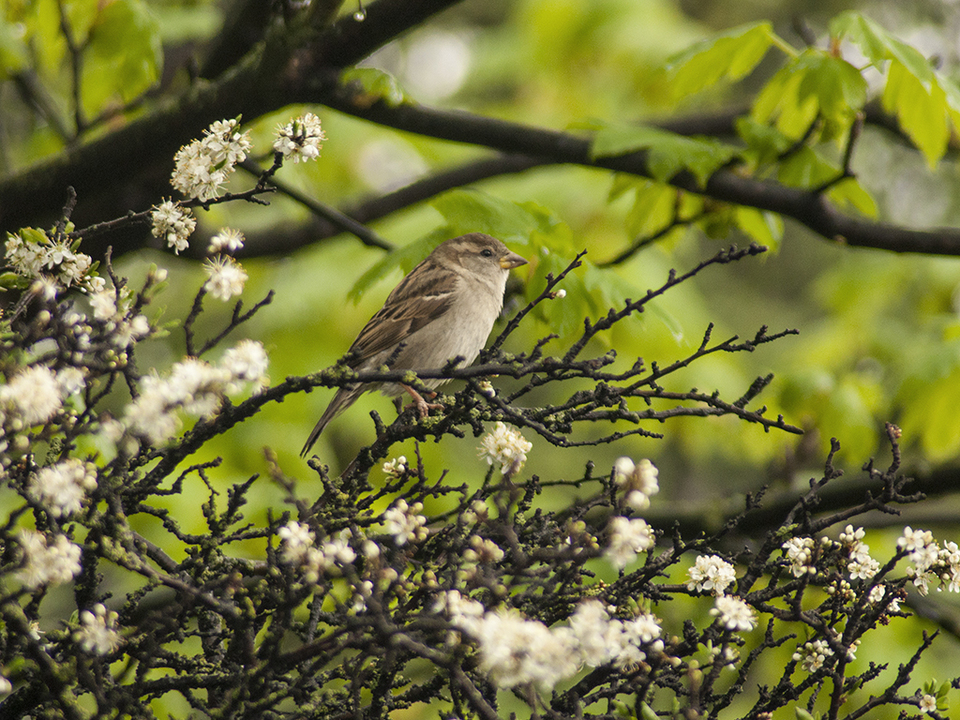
<point x="422" y="406"/>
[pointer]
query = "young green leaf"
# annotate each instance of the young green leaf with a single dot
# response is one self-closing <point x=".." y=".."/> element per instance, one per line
<point x="475" y="211"/>
<point x="123" y="56"/>
<point x="729" y="56"/>
<point x="921" y="109"/>
<point x="669" y="153"/>
<point x="377" y="85"/>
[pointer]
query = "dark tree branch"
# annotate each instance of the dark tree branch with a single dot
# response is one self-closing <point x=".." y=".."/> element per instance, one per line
<point x="806" y="207"/>
<point x="265" y="79"/>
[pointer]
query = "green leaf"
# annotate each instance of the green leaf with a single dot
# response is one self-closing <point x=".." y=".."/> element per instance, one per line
<point x="924" y="103"/>
<point x="813" y="84"/>
<point x="803" y="714"/>
<point x="764" y="227"/>
<point x="10" y="280"/>
<point x="33" y="235"/>
<point x="669" y="153"/>
<point x="729" y="56"/>
<point x="474" y="211"/>
<point x="653" y="208"/>
<point x="13" y="49"/>
<point x="123" y="56"/>
<point x="921" y="109"/>
<point x="779" y="102"/>
<point x="838" y="86"/>
<point x="647" y="713"/>
<point x="849" y="193"/>
<point x="377" y="86"/>
<point x="879" y="45"/>
<point x="806" y="169"/>
<point x="766" y="142"/>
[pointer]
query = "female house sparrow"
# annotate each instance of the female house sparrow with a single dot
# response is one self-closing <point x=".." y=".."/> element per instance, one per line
<point x="445" y="308"/>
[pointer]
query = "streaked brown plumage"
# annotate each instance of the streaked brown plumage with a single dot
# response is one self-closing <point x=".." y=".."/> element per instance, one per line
<point x="443" y="309"/>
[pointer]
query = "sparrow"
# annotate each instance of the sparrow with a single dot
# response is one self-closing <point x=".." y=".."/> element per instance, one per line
<point x="444" y="309"/>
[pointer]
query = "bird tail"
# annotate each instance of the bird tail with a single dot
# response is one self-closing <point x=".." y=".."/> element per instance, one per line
<point x="344" y="398"/>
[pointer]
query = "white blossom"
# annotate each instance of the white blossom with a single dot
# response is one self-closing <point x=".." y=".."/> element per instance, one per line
<point x="97" y="633"/>
<point x="32" y="394"/>
<point x="813" y="655"/>
<point x="799" y="552"/>
<point x="639" y="481"/>
<point x="301" y="138"/>
<point x="627" y="538"/>
<point x="226" y="277"/>
<point x="405" y="523"/>
<point x="507" y="446"/>
<point x="174" y="224"/>
<point x="863" y="568"/>
<point x="70" y="380"/>
<point x="395" y="468"/>
<point x="42" y="258"/>
<point x="464" y="613"/>
<point x="297" y="539"/>
<point x="61" y="488"/>
<point x="711" y="573"/>
<point x="338" y="551"/>
<point x="227" y="241"/>
<point x="928" y="704"/>
<point x="104" y="305"/>
<point x="483" y="550"/>
<point x="599" y="640"/>
<point x="26" y="258"/>
<point x="202" y="166"/>
<point x="47" y="561"/>
<point x="5" y="685"/>
<point x="734" y="613"/>
<point x="192" y="385"/>
<point x="924" y="552"/>
<point x="129" y="330"/>
<point x="515" y="650"/>
<point x="247" y="361"/>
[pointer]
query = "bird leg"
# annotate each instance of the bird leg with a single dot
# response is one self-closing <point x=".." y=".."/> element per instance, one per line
<point x="423" y="407"/>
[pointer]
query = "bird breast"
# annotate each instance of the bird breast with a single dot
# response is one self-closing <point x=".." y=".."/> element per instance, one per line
<point x="461" y="331"/>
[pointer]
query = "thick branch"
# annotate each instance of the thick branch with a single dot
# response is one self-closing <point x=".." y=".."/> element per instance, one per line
<point x="139" y="156"/>
<point x="808" y="208"/>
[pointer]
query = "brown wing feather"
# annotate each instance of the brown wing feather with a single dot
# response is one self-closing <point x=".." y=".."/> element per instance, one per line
<point x="408" y="308"/>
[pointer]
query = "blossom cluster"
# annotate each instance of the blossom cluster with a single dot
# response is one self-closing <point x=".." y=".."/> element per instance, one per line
<point x="301" y="138"/>
<point x="506" y="446"/>
<point x="515" y="650"/>
<point x="60" y="488"/>
<point x="202" y="166"/>
<point x="300" y="549"/>
<point x="931" y="563"/>
<point x="47" y="560"/>
<point x="638" y="480"/>
<point x="405" y="523"/>
<point x="98" y="633"/>
<point x="33" y="255"/>
<point x="173" y="223"/>
<point x="195" y="387"/>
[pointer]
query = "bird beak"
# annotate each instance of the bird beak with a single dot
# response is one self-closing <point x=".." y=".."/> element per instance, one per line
<point x="511" y="260"/>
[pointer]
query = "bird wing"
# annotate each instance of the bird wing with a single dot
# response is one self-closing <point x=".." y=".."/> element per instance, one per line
<point x="409" y="307"/>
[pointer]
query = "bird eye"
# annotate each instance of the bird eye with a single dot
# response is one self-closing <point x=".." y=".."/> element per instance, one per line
<point x="487" y="252"/>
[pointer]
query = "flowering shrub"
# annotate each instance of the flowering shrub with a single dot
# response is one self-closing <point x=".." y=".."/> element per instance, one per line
<point x="367" y="599"/>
